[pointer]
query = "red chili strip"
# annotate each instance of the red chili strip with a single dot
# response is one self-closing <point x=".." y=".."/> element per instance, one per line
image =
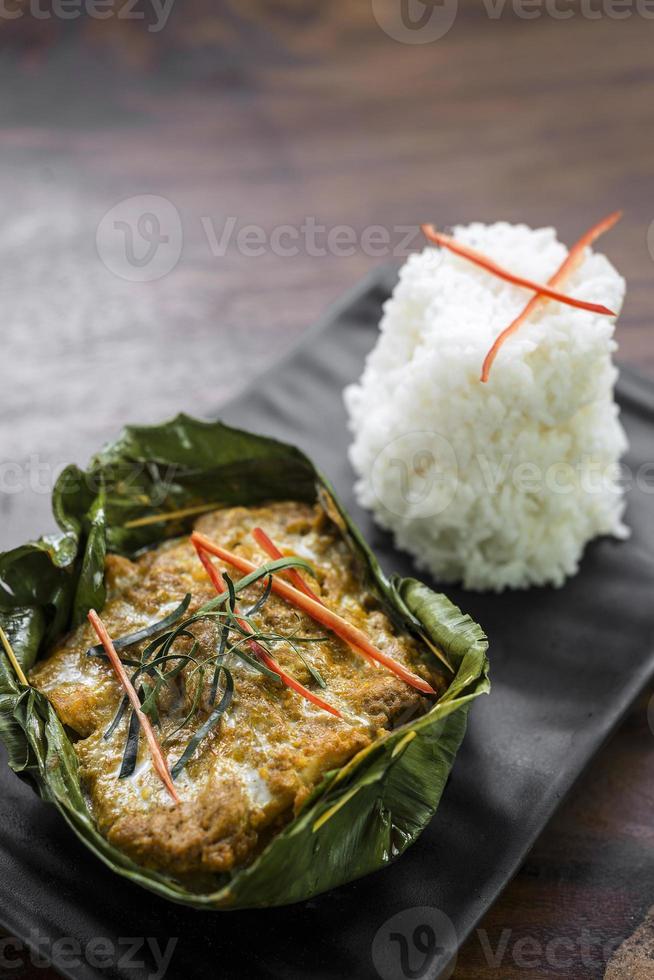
<point x="219" y="584"/>
<point x="271" y="549"/>
<point x="158" y="760"/>
<point x="321" y="614"/>
<point x="573" y="260"/>
<point x="446" y="241"/>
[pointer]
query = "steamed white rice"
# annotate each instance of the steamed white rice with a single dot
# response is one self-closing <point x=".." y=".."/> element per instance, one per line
<point x="501" y="484"/>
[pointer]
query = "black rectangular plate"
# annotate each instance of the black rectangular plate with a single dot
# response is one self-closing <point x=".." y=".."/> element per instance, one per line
<point x="566" y="664"/>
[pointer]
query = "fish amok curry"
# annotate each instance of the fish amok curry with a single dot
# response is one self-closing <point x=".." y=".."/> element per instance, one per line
<point x="251" y="770"/>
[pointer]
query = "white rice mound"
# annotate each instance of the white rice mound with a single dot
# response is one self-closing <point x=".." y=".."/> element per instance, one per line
<point x="497" y="485"/>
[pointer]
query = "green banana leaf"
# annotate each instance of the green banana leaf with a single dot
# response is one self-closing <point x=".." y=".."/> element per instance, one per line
<point x="360" y="817"/>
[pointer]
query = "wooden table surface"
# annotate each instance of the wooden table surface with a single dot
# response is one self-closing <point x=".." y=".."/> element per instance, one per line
<point x="308" y="115"/>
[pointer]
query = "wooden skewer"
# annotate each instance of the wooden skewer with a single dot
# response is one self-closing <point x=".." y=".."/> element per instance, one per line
<point x="13" y="659"/>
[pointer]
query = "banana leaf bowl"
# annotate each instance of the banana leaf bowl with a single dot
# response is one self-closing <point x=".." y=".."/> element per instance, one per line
<point x="360" y="817"/>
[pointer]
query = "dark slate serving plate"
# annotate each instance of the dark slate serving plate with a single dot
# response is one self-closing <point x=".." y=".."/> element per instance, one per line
<point x="565" y="666"/>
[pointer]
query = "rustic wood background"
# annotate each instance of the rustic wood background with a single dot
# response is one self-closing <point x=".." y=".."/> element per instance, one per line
<point x="270" y="114"/>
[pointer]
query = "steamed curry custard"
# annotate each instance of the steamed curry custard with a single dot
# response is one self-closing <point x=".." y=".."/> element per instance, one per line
<point x="243" y="771"/>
